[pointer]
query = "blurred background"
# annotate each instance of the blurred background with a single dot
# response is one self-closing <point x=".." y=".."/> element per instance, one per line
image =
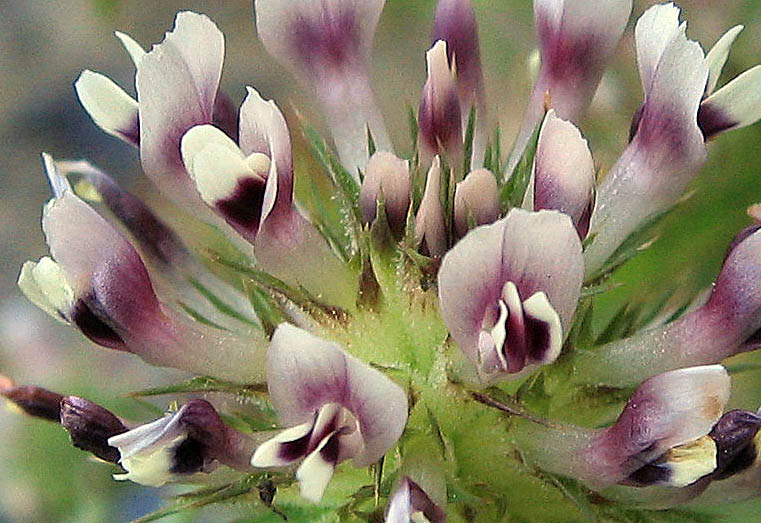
<point x="45" y="44"/>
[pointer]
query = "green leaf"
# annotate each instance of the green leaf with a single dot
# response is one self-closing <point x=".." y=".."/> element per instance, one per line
<point x="207" y="497"/>
<point x="267" y="310"/>
<point x="513" y="191"/>
<point x="642" y="237"/>
<point x="468" y="144"/>
<point x="205" y="384"/>
<point x="413" y="124"/>
<point x="345" y="182"/>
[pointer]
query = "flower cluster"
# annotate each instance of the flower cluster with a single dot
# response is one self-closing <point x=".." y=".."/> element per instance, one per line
<point x="430" y="323"/>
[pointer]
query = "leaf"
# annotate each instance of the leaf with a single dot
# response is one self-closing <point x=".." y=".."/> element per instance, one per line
<point x="513" y="191"/>
<point x="468" y="144"/>
<point x="205" y="384"/>
<point x="413" y="124"/>
<point x="639" y="240"/>
<point x="345" y="182"/>
<point x="218" y="304"/>
<point x="207" y="497"/>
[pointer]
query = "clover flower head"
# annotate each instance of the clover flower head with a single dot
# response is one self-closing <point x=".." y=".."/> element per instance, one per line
<point x="424" y="325"/>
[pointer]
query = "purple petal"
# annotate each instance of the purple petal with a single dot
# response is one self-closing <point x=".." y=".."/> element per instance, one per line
<point x="305" y="372"/>
<point x="32" y="400"/>
<point x="725" y="325"/>
<point x="455" y="24"/>
<point x="537" y="252"/>
<point x="327" y="45"/>
<point x="90" y="426"/>
<point x="177" y="84"/>
<point x="388" y="176"/>
<point x="564" y="171"/>
<point x="576" y="39"/>
<point x="154" y="236"/>
<point x="667" y="150"/>
<point x="476" y="196"/>
<point x="439" y="114"/>
<point x="667" y="410"/>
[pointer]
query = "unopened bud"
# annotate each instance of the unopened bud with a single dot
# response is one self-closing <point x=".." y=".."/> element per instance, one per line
<point x="90" y="426"/>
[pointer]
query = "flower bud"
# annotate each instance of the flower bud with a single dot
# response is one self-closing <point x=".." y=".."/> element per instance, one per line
<point x="90" y="426"/>
<point x="475" y="201"/>
<point x="440" y="114"/>
<point x="430" y="229"/>
<point x="34" y="401"/>
<point x="389" y="177"/>
<point x="564" y="172"/>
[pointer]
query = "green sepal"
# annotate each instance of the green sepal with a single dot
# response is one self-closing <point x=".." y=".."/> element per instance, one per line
<point x="468" y="143"/>
<point x="513" y="191"/>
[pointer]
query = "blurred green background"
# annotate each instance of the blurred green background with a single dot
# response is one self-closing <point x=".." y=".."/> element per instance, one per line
<point x="45" y="44"/>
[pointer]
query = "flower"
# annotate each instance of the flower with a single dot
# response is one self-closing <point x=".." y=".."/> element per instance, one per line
<point x="430" y="315"/>
<point x="336" y="406"/>
<point x="193" y="439"/>
<point x="507" y="295"/>
<point x="726" y="324"/>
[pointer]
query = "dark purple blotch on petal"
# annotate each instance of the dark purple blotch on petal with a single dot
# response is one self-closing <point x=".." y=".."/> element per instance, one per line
<point x="331" y="450"/>
<point x="712" y="120"/>
<point x="636" y="119"/>
<point x="537" y="338"/>
<point x="35" y="401"/>
<point x="189" y="457"/>
<point x="206" y="441"/>
<point x="734" y="436"/>
<point x="243" y="208"/>
<point x="92" y="325"/>
<point x="663" y="131"/>
<point x="132" y="133"/>
<point x="332" y="39"/>
<point x="89" y="425"/>
<point x="151" y="233"/>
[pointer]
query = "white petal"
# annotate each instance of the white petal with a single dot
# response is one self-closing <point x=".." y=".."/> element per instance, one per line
<point x="268" y="453"/>
<point x="45" y="285"/>
<point x="654" y="30"/>
<point x="738" y="103"/>
<point x="717" y="56"/>
<point x="314" y="474"/>
<point x="539" y="307"/>
<point x="134" y="49"/>
<point x="215" y="162"/>
<point x="108" y="105"/>
<point x="477" y="196"/>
